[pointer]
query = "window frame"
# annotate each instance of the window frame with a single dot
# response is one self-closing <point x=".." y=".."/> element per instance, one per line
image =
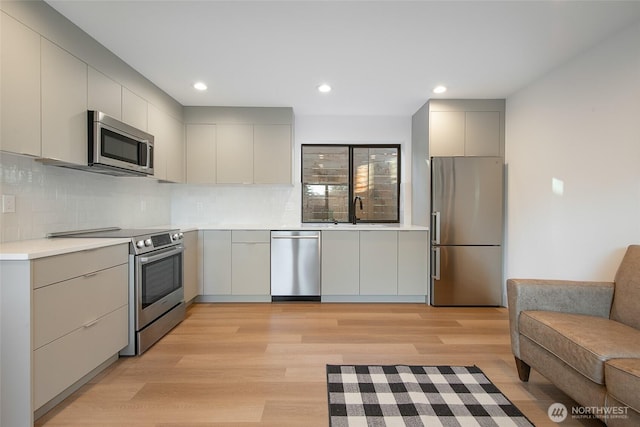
<point x="351" y="183"/>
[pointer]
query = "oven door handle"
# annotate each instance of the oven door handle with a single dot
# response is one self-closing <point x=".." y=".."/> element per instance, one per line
<point x="165" y="254"/>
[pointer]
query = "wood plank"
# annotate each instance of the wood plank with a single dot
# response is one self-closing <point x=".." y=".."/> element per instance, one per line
<point x="249" y="365"/>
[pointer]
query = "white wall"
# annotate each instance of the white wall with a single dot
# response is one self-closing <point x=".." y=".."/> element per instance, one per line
<point x="280" y="205"/>
<point x="580" y="125"/>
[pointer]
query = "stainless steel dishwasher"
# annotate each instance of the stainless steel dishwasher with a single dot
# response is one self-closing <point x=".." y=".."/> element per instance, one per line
<point x="295" y="265"/>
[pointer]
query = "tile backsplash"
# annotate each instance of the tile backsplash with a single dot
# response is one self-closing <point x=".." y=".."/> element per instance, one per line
<point x="50" y="199"/>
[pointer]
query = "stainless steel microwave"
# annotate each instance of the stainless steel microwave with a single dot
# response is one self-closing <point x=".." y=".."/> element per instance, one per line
<point x="117" y="148"/>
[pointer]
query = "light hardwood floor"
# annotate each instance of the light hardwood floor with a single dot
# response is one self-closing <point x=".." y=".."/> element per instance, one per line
<point x="241" y="365"/>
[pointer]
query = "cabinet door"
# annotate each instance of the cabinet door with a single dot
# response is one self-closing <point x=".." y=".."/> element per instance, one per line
<point x="234" y="148"/>
<point x="482" y="133"/>
<point x="104" y="94"/>
<point x="412" y="263"/>
<point x="175" y="150"/>
<point x="64" y="105"/>
<point x="216" y="262"/>
<point x="20" y="88"/>
<point x="446" y="133"/>
<point x="272" y="154"/>
<point x="134" y="110"/>
<point x="201" y="154"/>
<point x="378" y="262"/>
<point x="340" y="261"/>
<point x="190" y="265"/>
<point x="250" y="269"/>
<point x="168" y="162"/>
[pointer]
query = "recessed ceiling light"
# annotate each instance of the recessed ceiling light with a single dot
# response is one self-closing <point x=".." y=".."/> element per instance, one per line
<point x="199" y="86"/>
<point x="324" y="88"/>
<point x="439" y="89"/>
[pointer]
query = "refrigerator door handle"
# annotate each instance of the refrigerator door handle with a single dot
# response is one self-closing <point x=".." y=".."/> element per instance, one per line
<point x="436" y="227"/>
<point x="436" y="264"/>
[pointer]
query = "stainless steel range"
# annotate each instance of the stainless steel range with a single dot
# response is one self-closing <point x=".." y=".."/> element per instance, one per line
<point x="156" y="284"/>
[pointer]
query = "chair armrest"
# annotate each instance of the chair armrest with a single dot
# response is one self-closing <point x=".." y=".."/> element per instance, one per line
<point x="590" y="298"/>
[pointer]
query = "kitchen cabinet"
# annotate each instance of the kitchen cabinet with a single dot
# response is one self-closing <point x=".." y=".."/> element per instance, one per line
<point x="201" y="153"/>
<point x="135" y="111"/>
<point x="250" y="262"/>
<point x="378" y="262"/>
<point x="234" y="154"/>
<point x="340" y="269"/>
<point x="20" y="88"/>
<point x="272" y="154"/>
<point x="64" y="319"/>
<point x="412" y="262"/>
<point x="465" y="133"/>
<point x="64" y="105"/>
<point x="190" y="265"/>
<point x="104" y="94"/>
<point x="374" y="265"/>
<point x="216" y="262"/>
<point x="168" y="151"/>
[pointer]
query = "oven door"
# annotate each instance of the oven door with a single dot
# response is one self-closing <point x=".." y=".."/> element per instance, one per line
<point x="158" y="284"/>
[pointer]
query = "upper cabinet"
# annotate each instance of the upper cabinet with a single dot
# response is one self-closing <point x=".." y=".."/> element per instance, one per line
<point x="105" y="94"/>
<point x="168" y="132"/>
<point x="135" y="110"/>
<point x="20" y="87"/>
<point x="64" y="105"/>
<point x="238" y="145"/>
<point x="234" y="154"/>
<point x="272" y="154"/>
<point x="466" y="128"/>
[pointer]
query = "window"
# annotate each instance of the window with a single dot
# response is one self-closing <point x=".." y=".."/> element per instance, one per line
<point x="334" y="175"/>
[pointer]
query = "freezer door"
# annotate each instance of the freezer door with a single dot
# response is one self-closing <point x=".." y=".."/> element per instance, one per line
<point x="466" y="275"/>
<point x="467" y="200"/>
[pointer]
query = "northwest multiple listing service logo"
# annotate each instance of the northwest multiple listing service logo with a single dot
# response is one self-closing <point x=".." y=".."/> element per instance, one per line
<point x="558" y="412"/>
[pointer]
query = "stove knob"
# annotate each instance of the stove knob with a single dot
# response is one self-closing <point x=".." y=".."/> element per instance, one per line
<point x="181" y="235"/>
<point x="147" y="242"/>
<point x="174" y="236"/>
<point x="140" y="243"/>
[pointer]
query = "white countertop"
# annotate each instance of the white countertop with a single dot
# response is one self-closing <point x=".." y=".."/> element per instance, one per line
<point x="39" y="248"/>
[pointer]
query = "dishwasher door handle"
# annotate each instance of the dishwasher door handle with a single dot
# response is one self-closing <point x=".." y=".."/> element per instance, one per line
<point x="295" y="237"/>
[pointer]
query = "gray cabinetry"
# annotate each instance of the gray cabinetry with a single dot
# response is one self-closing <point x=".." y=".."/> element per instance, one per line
<point x="251" y="263"/>
<point x="20" y="88"/>
<point x="412" y="262"/>
<point x="168" y="135"/>
<point x="201" y="154"/>
<point x="104" y="94"/>
<point x="190" y="265"/>
<point x="378" y="263"/>
<point x="64" y="105"/>
<point x="135" y="110"/>
<point x="272" y="154"/>
<point x="340" y="271"/>
<point x="216" y="262"/>
<point x="234" y="154"/>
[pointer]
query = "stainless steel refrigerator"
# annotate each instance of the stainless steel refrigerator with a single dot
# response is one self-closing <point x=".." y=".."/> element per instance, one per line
<point x="466" y="231"/>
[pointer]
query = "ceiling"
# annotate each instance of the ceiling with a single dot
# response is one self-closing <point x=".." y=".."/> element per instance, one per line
<point x="380" y="57"/>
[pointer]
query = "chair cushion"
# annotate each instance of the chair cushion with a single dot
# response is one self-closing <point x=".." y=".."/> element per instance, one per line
<point x="623" y="381"/>
<point x="583" y="342"/>
<point x="627" y="289"/>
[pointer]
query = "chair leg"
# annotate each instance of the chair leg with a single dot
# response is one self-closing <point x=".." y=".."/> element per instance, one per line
<point x="523" y="370"/>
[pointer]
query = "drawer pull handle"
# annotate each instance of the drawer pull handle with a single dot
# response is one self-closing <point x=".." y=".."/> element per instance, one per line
<point x="91" y="323"/>
<point x="86" y="276"/>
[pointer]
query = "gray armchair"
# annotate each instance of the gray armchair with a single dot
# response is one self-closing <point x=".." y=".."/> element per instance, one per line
<point x="584" y="337"/>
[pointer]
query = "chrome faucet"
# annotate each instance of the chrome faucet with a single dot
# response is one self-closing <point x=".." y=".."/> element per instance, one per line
<point x="355" y="217"/>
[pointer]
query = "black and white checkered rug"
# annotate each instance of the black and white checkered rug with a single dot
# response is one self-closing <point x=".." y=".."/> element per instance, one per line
<point x="401" y="395"/>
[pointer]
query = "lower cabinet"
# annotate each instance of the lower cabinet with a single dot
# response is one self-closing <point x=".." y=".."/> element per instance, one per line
<point x="236" y="265"/>
<point x="64" y="318"/>
<point x="372" y="265"/>
<point x="190" y="265"/>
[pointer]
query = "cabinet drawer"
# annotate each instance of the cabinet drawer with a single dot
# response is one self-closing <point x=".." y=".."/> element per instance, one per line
<point x="65" y="306"/>
<point x="62" y="267"/>
<point x="61" y="363"/>
<point x="251" y="236"/>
